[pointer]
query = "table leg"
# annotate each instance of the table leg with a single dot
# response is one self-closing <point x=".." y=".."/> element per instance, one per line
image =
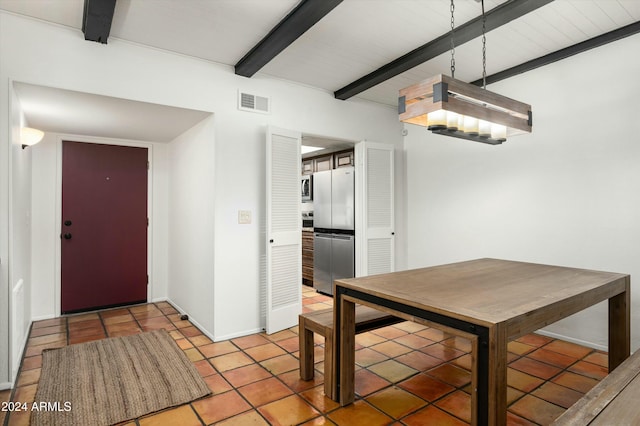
<point x="330" y="383"/>
<point x="619" y="327"/>
<point x="305" y="339"/>
<point x="497" y="354"/>
<point x="345" y="343"/>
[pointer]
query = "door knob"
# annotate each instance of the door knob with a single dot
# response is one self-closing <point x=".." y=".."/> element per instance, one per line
<point x="67" y="236"/>
<point x="67" y="223"/>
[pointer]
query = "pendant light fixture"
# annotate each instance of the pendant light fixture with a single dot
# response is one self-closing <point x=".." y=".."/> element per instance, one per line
<point x="451" y="107"/>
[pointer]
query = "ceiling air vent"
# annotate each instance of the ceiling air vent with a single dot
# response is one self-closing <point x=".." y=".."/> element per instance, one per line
<point x="253" y="103"/>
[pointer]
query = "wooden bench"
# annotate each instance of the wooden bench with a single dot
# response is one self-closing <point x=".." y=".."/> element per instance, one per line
<point x="321" y="322"/>
<point x="613" y="401"/>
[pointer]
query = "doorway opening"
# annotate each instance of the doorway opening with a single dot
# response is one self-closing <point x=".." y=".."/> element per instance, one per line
<point x="323" y="161"/>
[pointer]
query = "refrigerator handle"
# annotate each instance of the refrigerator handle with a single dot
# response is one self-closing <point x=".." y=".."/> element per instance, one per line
<point x="342" y="237"/>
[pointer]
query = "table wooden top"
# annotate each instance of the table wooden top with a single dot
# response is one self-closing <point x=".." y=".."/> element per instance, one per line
<point x="492" y="291"/>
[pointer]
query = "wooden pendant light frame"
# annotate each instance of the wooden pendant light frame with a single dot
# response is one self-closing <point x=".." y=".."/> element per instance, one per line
<point x="442" y="92"/>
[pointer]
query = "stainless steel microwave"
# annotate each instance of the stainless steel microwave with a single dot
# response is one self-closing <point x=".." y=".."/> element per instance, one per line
<point x="307" y="188"/>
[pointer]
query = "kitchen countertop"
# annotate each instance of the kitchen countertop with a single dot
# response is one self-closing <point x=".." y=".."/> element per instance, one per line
<point x="307" y="229"/>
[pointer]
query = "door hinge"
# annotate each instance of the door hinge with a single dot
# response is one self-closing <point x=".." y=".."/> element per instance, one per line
<point x="147" y="221"/>
<point x="147" y="279"/>
<point x="148" y="165"/>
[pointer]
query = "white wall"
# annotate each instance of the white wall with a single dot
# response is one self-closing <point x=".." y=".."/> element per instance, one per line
<point x="44" y="241"/>
<point x="6" y="135"/>
<point x="159" y="226"/>
<point x="240" y="184"/>
<point x="567" y="194"/>
<point x="19" y="239"/>
<point x="59" y="57"/>
<point x="191" y="219"/>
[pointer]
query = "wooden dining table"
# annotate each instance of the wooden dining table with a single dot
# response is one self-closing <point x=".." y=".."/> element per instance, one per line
<point x="488" y="301"/>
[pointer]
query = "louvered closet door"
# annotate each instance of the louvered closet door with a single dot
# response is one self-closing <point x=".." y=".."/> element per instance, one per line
<point x="284" y="230"/>
<point x="375" y="236"/>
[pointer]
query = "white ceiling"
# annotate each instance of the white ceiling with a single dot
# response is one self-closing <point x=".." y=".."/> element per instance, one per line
<point x="66" y="111"/>
<point x="326" y="145"/>
<point x="352" y="40"/>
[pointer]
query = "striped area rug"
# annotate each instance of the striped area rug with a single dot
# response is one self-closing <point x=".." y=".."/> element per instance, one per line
<point x="113" y="380"/>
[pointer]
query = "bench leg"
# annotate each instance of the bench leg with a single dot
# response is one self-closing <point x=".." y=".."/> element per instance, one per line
<point x="305" y="337"/>
<point x="329" y="365"/>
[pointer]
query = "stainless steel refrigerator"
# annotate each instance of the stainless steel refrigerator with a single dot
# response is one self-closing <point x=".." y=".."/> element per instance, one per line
<point x="333" y="221"/>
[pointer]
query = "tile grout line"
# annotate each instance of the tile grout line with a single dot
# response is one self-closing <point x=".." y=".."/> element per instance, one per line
<point x="104" y="326"/>
<point x="550" y="379"/>
<point x="324" y="413"/>
<point x="18" y="374"/>
<point x="196" y="413"/>
<point x="294" y="391"/>
<point x="450" y="362"/>
<point x="218" y="372"/>
<point x="166" y="316"/>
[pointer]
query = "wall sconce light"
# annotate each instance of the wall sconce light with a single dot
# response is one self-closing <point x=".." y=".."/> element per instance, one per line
<point x="30" y="136"/>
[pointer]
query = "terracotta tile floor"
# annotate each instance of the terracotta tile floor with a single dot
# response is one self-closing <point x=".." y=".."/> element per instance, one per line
<point x="406" y="374"/>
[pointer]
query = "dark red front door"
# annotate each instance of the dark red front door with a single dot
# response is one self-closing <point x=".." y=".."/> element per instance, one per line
<point x="104" y="225"/>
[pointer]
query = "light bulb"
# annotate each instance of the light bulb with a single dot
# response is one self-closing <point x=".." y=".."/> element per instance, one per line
<point x="498" y="131"/>
<point x="471" y="125"/>
<point x="452" y="120"/>
<point x="460" y="122"/>
<point x="437" y="120"/>
<point x="484" y="129"/>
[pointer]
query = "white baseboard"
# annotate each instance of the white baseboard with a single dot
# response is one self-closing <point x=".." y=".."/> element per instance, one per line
<point x="239" y="334"/>
<point x="572" y="340"/>
<point x="22" y="351"/>
<point x="43" y="317"/>
<point x="210" y="335"/>
<point x="5" y="385"/>
<point x="192" y="320"/>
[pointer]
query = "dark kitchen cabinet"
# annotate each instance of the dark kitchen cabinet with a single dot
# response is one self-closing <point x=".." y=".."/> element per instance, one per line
<point x="323" y="163"/>
<point x="307" y="167"/>
<point x="307" y="258"/>
<point x="327" y="162"/>
<point x="343" y="159"/>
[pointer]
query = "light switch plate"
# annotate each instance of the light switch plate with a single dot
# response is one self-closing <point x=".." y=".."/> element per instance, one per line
<point x="244" y="217"/>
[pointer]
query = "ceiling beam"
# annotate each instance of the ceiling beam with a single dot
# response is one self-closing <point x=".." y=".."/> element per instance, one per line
<point x="552" y="57"/>
<point x="296" y="23"/>
<point x="496" y="17"/>
<point x="97" y="18"/>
